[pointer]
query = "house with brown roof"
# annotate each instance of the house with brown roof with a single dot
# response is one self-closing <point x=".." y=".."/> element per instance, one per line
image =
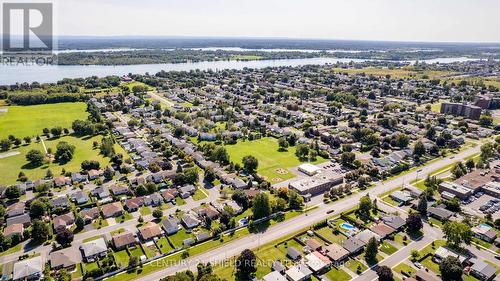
<point x="313" y="244"/>
<point x="114" y="209"/>
<point x="65" y="258"/>
<point x="63" y="221"/>
<point x="133" y="204"/>
<point x="13" y="229"/>
<point x="119" y="189"/>
<point x="123" y="240"/>
<point x="94" y="174"/>
<point x="336" y="253"/>
<point x="88" y="215"/>
<point x="167" y="196"/>
<point x="16" y="209"/>
<point x="150" y="231"/>
<point x="382" y="230"/>
<point x="60" y="181"/>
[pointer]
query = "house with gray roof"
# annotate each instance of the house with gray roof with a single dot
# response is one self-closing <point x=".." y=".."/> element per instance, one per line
<point x="28" y="269"/>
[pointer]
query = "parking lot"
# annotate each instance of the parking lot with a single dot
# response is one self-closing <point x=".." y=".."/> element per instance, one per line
<point x="482" y="204"/>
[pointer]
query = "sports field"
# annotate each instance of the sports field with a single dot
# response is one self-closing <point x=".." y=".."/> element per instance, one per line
<point x="22" y="121"/>
<point x="273" y="164"/>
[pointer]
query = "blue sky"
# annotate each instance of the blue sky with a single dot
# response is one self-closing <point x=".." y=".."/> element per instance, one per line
<point x="397" y="20"/>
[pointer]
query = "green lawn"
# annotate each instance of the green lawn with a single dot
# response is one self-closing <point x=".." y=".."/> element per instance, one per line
<point x="180" y="236"/>
<point x="337" y="275"/>
<point x="145" y="211"/>
<point x="150" y="251"/>
<point x="11" y="250"/>
<point x="100" y="222"/>
<point x="92" y="238"/>
<point x="354" y="264"/>
<point x="125" y="217"/>
<point x="200" y="194"/>
<point x="163" y="244"/>
<point x="22" y="121"/>
<point x="136" y="252"/>
<point x="90" y="266"/>
<point x="131" y="85"/>
<point x="327" y="233"/>
<point x="405" y="269"/>
<point x="270" y="159"/>
<point x="427" y="262"/>
<point x="83" y="151"/>
<point x="121" y="258"/>
<point x="179" y="201"/>
<point x="387" y="248"/>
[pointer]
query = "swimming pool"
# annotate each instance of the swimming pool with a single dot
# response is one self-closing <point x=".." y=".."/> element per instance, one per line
<point x="347" y="226"/>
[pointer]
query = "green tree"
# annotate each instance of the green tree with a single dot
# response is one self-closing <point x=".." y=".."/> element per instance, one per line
<point x="250" y="164"/>
<point x="283" y="143"/>
<point x="40" y="231"/>
<point x="64" y="152"/>
<point x="261" y="206"/>
<point x="365" y="206"/>
<point x="13" y="192"/>
<point x="419" y="149"/>
<point x="246" y="264"/>
<point x="414" y="222"/>
<point x="37" y="208"/>
<point x="422" y="205"/>
<point x="158" y="213"/>
<point x="371" y="250"/>
<point x="35" y="157"/>
<point x="451" y="269"/>
<point x="457" y="233"/>
<point x="384" y="273"/>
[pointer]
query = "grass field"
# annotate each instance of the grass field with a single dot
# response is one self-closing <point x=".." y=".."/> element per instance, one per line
<point x="84" y="151"/>
<point x="22" y="121"/>
<point x="405" y="72"/>
<point x="270" y="159"/>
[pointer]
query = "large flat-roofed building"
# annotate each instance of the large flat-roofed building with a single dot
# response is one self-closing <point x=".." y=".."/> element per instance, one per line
<point x="459" y="109"/>
<point x="458" y="190"/>
<point x="316" y="184"/>
<point x="493" y="189"/>
<point x="309" y="169"/>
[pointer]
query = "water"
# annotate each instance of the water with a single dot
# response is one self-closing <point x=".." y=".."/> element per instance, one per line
<point x="53" y="73"/>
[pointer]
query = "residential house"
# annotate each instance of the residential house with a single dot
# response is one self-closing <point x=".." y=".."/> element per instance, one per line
<point x="382" y="230"/>
<point x="22" y="219"/>
<point x="88" y="215"/>
<point x="123" y="240"/>
<point x="79" y="197"/>
<point x="299" y="272"/>
<point x="171" y="225"/>
<point x="28" y="269"/>
<point x="101" y="192"/>
<point x="133" y="204"/>
<point x="353" y="245"/>
<point x="14" y="229"/>
<point x="94" y="249"/>
<point x="61" y="181"/>
<point x="336" y="253"/>
<point x="485" y="232"/>
<point x="150" y="231"/>
<point x="190" y="221"/>
<point x="114" y="209"/>
<point x="119" y="190"/>
<point x="65" y="258"/>
<point x="482" y="270"/>
<point x="274" y="276"/>
<point x="63" y="221"/>
<point x="439" y="213"/>
<point x="61" y="202"/>
<point x="317" y="262"/>
<point x="396" y="222"/>
<point x="293" y="253"/>
<point x="16" y="209"/>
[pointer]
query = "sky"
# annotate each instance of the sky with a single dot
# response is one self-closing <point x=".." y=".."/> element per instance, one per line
<point x="383" y="20"/>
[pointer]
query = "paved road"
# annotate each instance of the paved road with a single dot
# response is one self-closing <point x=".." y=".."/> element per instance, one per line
<point x="303" y="221"/>
<point x="161" y="98"/>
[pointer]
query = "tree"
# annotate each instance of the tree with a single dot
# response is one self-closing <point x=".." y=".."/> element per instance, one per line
<point x="64" y="152"/>
<point x="250" y="164"/>
<point x="241" y="198"/>
<point x="35" y="157"/>
<point x="158" y="213"/>
<point x="56" y="131"/>
<point x="487" y="151"/>
<point x="295" y="201"/>
<point x="261" y="206"/>
<point x="63" y="275"/>
<point x="13" y="192"/>
<point x="431" y="133"/>
<point x="402" y="140"/>
<point x="209" y="175"/>
<point x="347" y="158"/>
<point x="302" y="151"/>
<point x="107" y="147"/>
<point x="422" y="205"/>
<point x="203" y="270"/>
<point x="283" y="143"/>
<point x="419" y="149"/>
<point x="384" y="273"/>
<point x="451" y="269"/>
<point x="40" y="231"/>
<point x="414" y="222"/>
<point x="470" y="164"/>
<point x="108" y="173"/>
<point x="37" y="208"/>
<point x="485" y="120"/>
<point x="458" y="170"/>
<point x="5" y="144"/>
<point x="64" y="236"/>
<point x="133" y="261"/>
<point x="246" y="264"/>
<point x="79" y="222"/>
<point x="371" y="250"/>
<point x="457" y="233"/>
<point x="365" y="206"/>
<point x="190" y="175"/>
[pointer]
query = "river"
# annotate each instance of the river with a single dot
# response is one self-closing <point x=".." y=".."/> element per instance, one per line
<point x="10" y="74"/>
